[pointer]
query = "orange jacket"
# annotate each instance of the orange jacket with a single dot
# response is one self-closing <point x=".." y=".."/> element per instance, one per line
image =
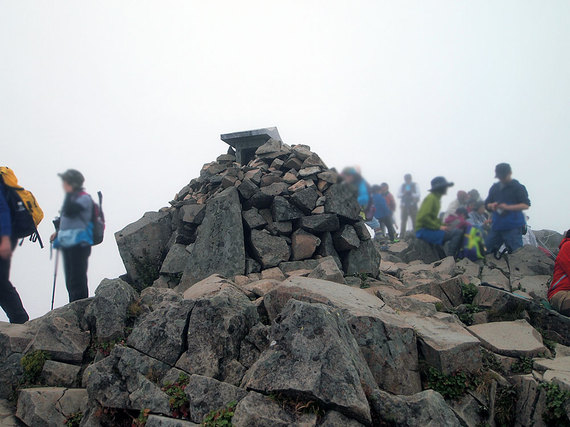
<point x="561" y="277"/>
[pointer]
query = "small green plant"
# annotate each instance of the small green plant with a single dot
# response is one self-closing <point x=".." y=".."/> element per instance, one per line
<point x="439" y="306"/>
<point x="298" y="405"/>
<point x="105" y="348"/>
<point x="556" y="400"/>
<point x="74" y="420"/>
<point x="450" y="386"/>
<point x="134" y="310"/>
<point x="505" y="404"/>
<point x="490" y="361"/>
<point x="222" y="417"/>
<point x="141" y="420"/>
<point x="179" y="403"/>
<point x="522" y="366"/>
<point x="468" y="292"/>
<point x="33" y="364"/>
<point x="548" y="343"/>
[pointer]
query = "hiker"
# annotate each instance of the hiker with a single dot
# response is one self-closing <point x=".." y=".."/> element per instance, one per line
<point x="507" y="200"/>
<point x="383" y="213"/>
<point x="409" y="196"/>
<point x="74" y="235"/>
<point x="460" y="202"/>
<point x="457" y="221"/>
<point x="353" y="177"/>
<point x="478" y="217"/>
<point x="473" y="198"/>
<point x="389" y="197"/>
<point x="9" y="297"/>
<point x="428" y="225"/>
<point x="559" y="291"/>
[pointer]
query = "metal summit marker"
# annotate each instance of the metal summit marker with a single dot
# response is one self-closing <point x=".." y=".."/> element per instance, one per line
<point x="246" y="142"/>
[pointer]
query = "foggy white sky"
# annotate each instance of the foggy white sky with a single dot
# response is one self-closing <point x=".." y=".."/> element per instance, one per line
<point x="136" y="93"/>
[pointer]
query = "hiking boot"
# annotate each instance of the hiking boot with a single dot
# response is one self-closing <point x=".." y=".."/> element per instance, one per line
<point x="396" y="240"/>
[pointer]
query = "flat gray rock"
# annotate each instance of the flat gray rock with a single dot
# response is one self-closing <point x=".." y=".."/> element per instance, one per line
<point x="515" y="339"/>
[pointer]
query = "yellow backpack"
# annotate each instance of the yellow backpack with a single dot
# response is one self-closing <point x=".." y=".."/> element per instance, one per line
<point x="24" y="209"/>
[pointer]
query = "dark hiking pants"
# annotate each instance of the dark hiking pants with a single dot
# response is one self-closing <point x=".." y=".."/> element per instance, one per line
<point x="75" y="262"/>
<point x="9" y="298"/>
<point x="388" y="222"/>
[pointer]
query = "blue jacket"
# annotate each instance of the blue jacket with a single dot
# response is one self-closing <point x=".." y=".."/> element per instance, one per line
<point x="363" y="194"/>
<point x="5" y="217"/>
<point x="511" y="193"/>
<point x="76" y="222"/>
<point x="382" y="209"/>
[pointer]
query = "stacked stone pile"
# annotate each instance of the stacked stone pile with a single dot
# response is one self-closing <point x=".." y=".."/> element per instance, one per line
<point x="279" y="215"/>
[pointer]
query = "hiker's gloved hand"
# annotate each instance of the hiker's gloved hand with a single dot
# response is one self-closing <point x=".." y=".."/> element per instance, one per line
<point x="5" y="248"/>
<point x="52" y="237"/>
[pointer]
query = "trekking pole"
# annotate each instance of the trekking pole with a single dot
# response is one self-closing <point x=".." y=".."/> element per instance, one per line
<point x="54" y="277"/>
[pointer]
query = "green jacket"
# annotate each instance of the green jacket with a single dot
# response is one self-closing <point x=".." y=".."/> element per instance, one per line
<point x="428" y="215"/>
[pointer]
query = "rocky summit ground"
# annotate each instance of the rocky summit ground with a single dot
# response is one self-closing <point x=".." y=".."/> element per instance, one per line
<point x="258" y="299"/>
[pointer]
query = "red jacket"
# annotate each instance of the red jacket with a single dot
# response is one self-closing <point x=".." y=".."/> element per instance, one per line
<point x="561" y="278"/>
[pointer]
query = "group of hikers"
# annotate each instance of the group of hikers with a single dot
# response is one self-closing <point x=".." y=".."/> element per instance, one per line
<point x="78" y="227"/>
<point x="459" y="232"/>
<point x="470" y="228"/>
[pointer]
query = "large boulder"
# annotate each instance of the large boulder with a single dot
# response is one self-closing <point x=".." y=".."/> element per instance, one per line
<point x="218" y="325"/>
<point x="387" y="340"/>
<point x="107" y="315"/>
<point x="269" y="250"/>
<point x="445" y="344"/>
<point x="341" y="200"/>
<point x="162" y="333"/>
<point x="530" y="261"/>
<point x="50" y="406"/>
<point x="207" y="395"/>
<point x="363" y="260"/>
<point x="425" y="409"/>
<point x="420" y="250"/>
<point x="60" y="333"/>
<point x="143" y="245"/>
<point x="219" y="246"/>
<point x="313" y="354"/>
<point x="257" y="410"/>
<point x="128" y="379"/>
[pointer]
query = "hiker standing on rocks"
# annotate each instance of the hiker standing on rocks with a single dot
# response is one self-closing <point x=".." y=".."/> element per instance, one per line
<point x="507" y="200"/>
<point x="74" y="235"/>
<point x="383" y="213"/>
<point x="428" y="225"/>
<point x="9" y="298"/>
<point x="559" y="291"/>
<point x="409" y="196"/>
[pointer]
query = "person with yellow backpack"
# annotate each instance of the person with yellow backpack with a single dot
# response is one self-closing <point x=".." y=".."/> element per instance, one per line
<point x="20" y="215"/>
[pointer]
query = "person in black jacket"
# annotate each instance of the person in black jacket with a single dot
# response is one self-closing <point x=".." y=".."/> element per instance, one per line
<point x="9" y="298"/>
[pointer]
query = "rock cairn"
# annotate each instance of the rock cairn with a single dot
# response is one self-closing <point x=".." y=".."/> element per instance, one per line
<point x="282" y="214"/>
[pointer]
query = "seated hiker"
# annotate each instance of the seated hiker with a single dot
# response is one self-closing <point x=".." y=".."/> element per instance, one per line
<point x="478" y="217"/>
<point x="473" y="197"/>
<point x="457" y="221"/>
<point x="461" y="202"/>
<point x="507" y="200"/>
<point x="428" y="225"/>
<point x="559" y="291"/>
<point x="382" y="212"/>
